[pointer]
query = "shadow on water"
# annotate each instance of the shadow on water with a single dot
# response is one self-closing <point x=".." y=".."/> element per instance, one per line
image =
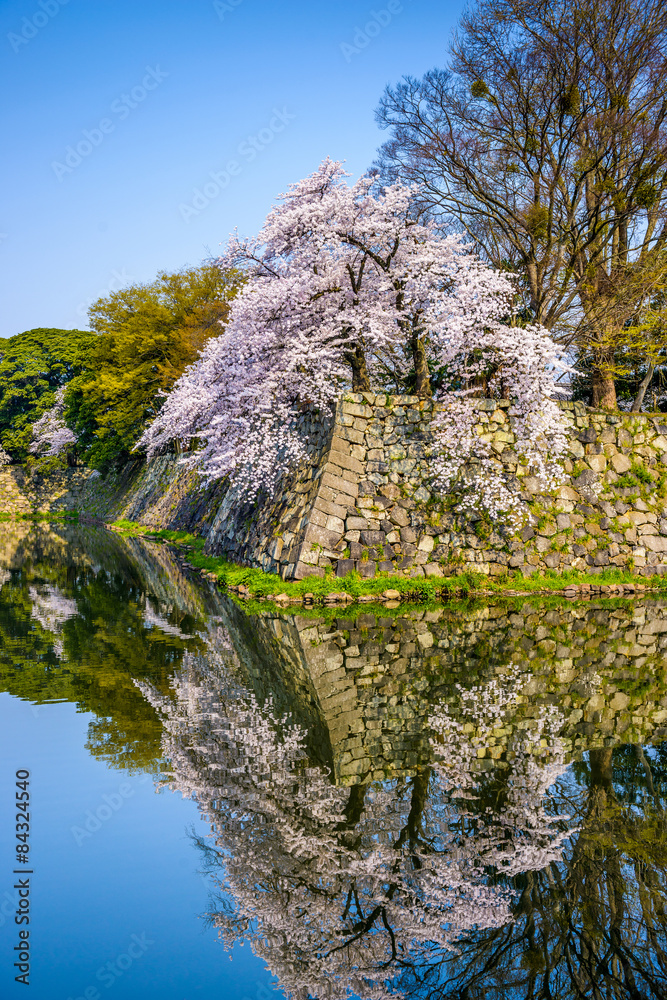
<point x="448" y="803"/>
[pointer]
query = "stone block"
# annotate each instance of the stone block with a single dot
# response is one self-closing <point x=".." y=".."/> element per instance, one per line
<point x="302" y="570"/>
<point x="620" y="463"/>
<point x="357" y="410"/>
<point x="586" y="480"/>
<point x="366" y="568"/>
<point x="598" y="463"/>
<point x="405" y="466"/>
<point x="340" y="485"/>
<point x="408" y="535"/>
<point x="655" y="543"/>
<point x="328" y="507"/>
<point x="369" y="537"/>
<point x="350" y="435"/>
<point x="322" y="536"/>
<point x="335" y="524"/>
<point x="390" y="491"/>
<point x="433" y="569"/>
<point x="346" y="461"/>
<point x="318" y="517"/>
<point x="344" y="567"/>
<point x="399" y="516"/>
<point x="426" y="543"/>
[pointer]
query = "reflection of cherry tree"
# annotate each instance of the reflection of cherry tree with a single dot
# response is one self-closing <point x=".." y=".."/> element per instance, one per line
<point x="51" y="608"/>
<point x="341" y="890"/>
<point x="533" y="759"/>
<point x="593" y="924"/>
<point x="154" y="618"/>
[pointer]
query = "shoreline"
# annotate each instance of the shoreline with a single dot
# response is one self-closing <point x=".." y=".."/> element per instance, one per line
<point x="250" y="584"/>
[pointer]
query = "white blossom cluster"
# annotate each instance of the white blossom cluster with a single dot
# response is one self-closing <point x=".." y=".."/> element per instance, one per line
<point x="345" y="277"/>
<point x="535" y="757"/>
<point x="50" y="434"/>
<point x="51" y="608"/>
<point x="340" y="906"/>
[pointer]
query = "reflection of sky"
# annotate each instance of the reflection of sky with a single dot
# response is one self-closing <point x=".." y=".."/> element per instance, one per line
<point x="137" y="874"/>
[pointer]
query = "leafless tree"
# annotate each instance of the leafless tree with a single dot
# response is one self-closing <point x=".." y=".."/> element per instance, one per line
<point x="545" y="140"/>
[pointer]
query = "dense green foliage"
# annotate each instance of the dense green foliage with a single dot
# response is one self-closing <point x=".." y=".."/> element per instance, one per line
<point x="33" y="365"/>
<point x="148" y="335"/>
<point x="102" y="644"/>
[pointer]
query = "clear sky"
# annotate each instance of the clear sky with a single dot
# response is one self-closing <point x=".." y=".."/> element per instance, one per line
<point x="116" y="113"/>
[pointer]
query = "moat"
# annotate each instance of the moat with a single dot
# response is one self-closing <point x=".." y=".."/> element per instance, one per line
<point x="459" y="801"/>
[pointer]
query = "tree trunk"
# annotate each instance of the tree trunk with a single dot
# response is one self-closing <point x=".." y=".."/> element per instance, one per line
<point x="600" y="761"/>
<point x="604" y="391"/>
<point x="422" y="375"/>
<point x="360" y="379"/>
<point x="641" y="392"/>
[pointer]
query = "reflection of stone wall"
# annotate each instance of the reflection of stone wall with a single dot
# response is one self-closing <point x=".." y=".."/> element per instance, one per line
<point x="376" y="680"/>
<point x="364" y="499"/>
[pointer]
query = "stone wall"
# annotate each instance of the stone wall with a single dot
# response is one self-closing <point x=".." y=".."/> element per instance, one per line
<point x="364" y="499"/>
<point x="371" y="507"/>
<point x="375" y="679"/>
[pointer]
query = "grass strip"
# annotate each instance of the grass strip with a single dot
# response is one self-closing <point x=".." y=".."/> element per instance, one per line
<point x="260" y="584"/>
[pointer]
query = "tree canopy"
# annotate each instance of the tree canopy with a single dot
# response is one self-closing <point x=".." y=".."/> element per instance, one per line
<point x="344" y="283"/>
<point x="147" y="335"/>
<point x="33" y="366"/>
<point x="545" y="139"/>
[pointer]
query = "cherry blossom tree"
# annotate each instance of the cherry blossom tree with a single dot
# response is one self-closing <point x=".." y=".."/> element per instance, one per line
<point x="50" y="434"/>
<point x="341" y="278"/>
<point x="340" y="890"/>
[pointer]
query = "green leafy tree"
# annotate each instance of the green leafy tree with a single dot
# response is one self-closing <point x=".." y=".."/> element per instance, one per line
<point x="148" y="334"/>
<point x="33" y="366"/>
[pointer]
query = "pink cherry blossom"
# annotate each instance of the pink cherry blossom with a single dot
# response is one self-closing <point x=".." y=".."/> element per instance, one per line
<point x="348" y="276"/>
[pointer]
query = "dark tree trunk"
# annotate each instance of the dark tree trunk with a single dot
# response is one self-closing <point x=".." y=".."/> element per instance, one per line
<point x="422" y="375"/>
<point x="357" y="361"/>
<point x="604" y="391"/>
<point x="641" y="392"/>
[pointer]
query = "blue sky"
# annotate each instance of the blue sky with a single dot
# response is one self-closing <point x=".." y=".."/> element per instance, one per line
<point x="116" y="114"/>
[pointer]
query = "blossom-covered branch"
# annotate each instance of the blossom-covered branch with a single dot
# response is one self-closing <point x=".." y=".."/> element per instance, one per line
<point x="341" y="278"/>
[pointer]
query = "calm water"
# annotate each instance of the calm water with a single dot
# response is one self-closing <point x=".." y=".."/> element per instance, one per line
<point x="456" y="802"/>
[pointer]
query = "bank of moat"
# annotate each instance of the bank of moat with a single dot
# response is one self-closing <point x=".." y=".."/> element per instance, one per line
<point x="364" y="498"/>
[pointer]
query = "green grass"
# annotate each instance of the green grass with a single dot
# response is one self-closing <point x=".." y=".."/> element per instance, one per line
<point x="551" y="580"/>
<point x="262" y="584"/>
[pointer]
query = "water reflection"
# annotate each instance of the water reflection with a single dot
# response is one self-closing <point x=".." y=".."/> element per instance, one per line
<point x="457" y="802"/>
<point x="342" y="889"/>
<point x="79" y="621"/>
